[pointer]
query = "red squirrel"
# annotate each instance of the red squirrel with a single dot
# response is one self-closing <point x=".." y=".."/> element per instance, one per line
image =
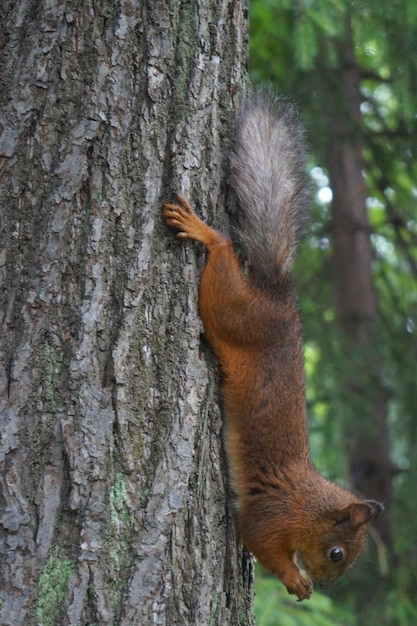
<point x="297" y="524"/>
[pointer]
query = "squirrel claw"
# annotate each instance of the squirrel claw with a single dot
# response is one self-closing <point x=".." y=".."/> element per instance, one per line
<point x="184" y="204"/>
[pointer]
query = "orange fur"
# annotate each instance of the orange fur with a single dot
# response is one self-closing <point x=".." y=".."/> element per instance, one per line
<point x="286" y="511"/>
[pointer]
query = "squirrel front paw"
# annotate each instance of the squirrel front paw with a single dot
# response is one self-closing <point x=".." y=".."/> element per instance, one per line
<point x="298" y="584"/>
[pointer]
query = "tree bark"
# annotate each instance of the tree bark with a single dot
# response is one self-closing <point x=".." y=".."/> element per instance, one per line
<point x="114" y="502"/>
<point x="369" y="451"/>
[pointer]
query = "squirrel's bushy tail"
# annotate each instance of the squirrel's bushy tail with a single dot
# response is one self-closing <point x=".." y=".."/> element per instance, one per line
<point x="267" y="168"/>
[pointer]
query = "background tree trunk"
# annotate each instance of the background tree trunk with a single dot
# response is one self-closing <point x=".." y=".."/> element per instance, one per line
<point x="369" y="451"/>
<point x="113" y="506"/>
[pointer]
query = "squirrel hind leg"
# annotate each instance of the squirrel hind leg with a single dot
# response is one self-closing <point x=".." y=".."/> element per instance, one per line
<point x="181" y="217"/>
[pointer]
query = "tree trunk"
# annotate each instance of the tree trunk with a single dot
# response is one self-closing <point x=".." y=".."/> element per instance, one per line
<point x="114" y="503"/>
<point x="370" y="466"/>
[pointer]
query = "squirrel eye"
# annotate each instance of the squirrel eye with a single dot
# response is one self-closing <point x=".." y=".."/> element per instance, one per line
<point x="336" y="555"/>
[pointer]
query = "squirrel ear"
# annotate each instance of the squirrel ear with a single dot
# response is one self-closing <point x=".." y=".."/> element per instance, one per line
<point x="376" y="507"/>
<point x="359" y="513"/>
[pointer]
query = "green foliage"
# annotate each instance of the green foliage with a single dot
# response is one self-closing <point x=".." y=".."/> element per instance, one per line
<point x="275" y="607"/>
<point x="53" y="586"/>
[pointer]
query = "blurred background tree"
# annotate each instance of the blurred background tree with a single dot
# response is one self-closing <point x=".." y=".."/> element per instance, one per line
<point x="351" y="67"/>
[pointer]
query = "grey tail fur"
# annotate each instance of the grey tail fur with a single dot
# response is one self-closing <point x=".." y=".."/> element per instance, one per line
<point x="267" y="168"/>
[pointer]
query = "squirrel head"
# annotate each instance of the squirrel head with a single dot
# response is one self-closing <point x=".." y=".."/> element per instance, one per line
<point x="341" y="539"/>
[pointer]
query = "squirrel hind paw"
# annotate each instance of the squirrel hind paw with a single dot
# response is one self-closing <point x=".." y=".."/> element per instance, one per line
<point x="176" y="217"/>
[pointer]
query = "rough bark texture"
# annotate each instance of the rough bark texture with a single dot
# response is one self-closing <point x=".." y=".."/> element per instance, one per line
<point x="113" y="502"/>
<point x="369" y="452"/>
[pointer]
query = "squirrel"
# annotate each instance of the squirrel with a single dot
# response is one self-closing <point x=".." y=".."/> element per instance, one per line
<point x="297" y="524"/>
